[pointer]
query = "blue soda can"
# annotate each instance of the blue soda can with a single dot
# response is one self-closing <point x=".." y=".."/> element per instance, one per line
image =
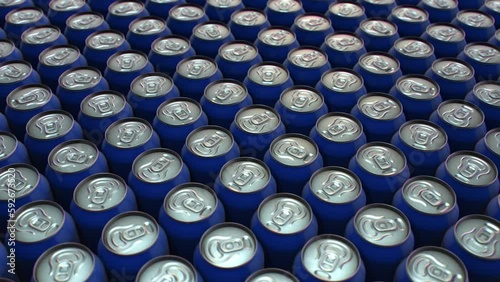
<point x="247" y="23"/>
<point x="410" y="19"/>
<point x="60" y="10"/>
<point x="415" y="55"/>
<point x="254" y="128"/>
<point x="312" y="28"/>
<point x="235" y="58"/>
<point x="122" y="12"/>
<point x="184" y="17"/>
<point x="430" y="205"/>
<point x="45" y="131"/>
<point x="478" y="26"/>
<point x="419" y="95"/>
<point x="377" y="8"/>
<point x="129" y="240"/>
<point x="493" y="208"/>
<point x="346" y="16"/>
<point x="382" y="169"/>
<point x="448" y="39"/>
<point x="14" y="74"/>
<point x="69" y="261"/>
<point x="381" y="231"/>
<point x="431" y="263"/>
<point x="223" y="99"/>
<point x="188" y="211"/>
<point x="299" y="108"/>
<point x="123" y="67"/>
<point x="69" y="163"/>
<point x="79" y="26"/>
<point x="206" y="150"/>
<point x="287" y="219"/>
<point x="101" y="45"/>
<point x="329" y="258"/>
<point x="275" y="42"/>
<point x="484" y="58"/>
<point x="10" y="5"/>
<point x="148" y="92"/>
<point x="455" y="77"/>
<point x="99" y="110"/>
<point x="36" y="227"/>
<point x="492" y="7"/>
<point x="474" y="178"/>
<point x="341" y="88"/>
<point x="292" y="159"/>
<point x="486" y="95"/>
<point x="25" y="102"/>
<point x="489" y="146"/>
<point x="100" y="6"/>
<point x="378" y="34"/>
<point x="194" y="74"/>
<point x="144" y="31"/>
<point x="343" y="49"/>
<point x="161" y="8"/>
<point x="381" y="115"/>
<point x="168" y="51"/>
<point x="125" y="139"/>
<point x="379" y="70"/>
<point x="12" y="151"/>
<point x="335" y="195"/>
<point x="154" y="173"/>
<point x="168" y="267"/>
<point x="306" y="65"/>
<point x="266" y="81"/>
<point x="425" y="145"/>
<point x="339" y="136"/>
<point x="221" y="10"/>
<point x="38" y="38"/>
<point x="175" y="119"/>
<point x="272" y="274"/>
<point x="283" y="12"/>
<point x="97" y="199"/>
<point x="495" y="39"/>
<point x="440" y="10"/>
<point x="475" y="240"/>
<point x="243" y="183"/>
<point x="19" y="20"/>
<point x="9" y="51"/>
<point x="4" y="126"/>
<point x="209" y="36"/>
<point x="462" y="121"/>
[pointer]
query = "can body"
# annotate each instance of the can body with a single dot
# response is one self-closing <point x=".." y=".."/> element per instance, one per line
<point x="3" y="123"/>
<point x="414" y="54"/>
<point x="80" y="25"/>
<point x="162" y="8"/>
<point x="184" y="17"/>
<point x="410" y="19"/>
<point x="122" y="13"/>
<point x="100" y="6"/>
<point x="307" y="65"/>
<point x="222" y="11"/>
<point x="235" y="58"/>
<point x="478" y="26"/>
<point x="483" y="95"/>
<point x="123" y="67"/>
<point x="448" y="39"/>
<point x="312" y="28"/>
<point x="488" y="146"/>
<point x="266" y="81"/>
<point x="444" y="11"/>
<point x="143" y="31"/>
<point x="13" y="151"/>
<point x="38" y="38"/>
<point x="246" y="23"/>
<point x="100" y="45"/>
<point x="209" y="36"/>
<point x="194" y="74"/>
<point x="495" y="39"/>
<point x="283" y="13"/>
<point x="343" y="48"/>
<point x="346" y="16"/>
<point x="59" y="11"/>
<point x="379" y="70"/>
<point x="484" y="59"/>
<point x="493" y="208"/>
<point x="166" y="52"/>
<point x="14" y="74"/>
<point x="341" y="89"/>
<point x="377" y="9"/>
<point x="275" y="42"/>
<point x="9" y="51"/>
<point x="490" y="8"/>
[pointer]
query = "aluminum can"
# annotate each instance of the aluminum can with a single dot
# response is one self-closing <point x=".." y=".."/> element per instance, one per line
<point x="61" y="10"/>
<point x="346" y="16"/>
<point x="484" y="58"/>
<point x="194" y="74"/>
<point x="312" y="28"/>
<point x="208" y="37"/>
<point x="343" y="49"/>
<point x="448" y="39"/>
<point x="478" y="26"/>
<point x="144" y="31"/>
<point x="272" y="274"/>
<point x="168" y="267"/>
<point x="493" y="208"/>
<point x="97" y="199"/>
<point x="257" y="4"/>
<point x="317" y="6"/>
<point x="188" y="211"/>
<point x="148" y="92"/>
<point x="314" y="262"/>
<point x="415" y="55"/>
<point x="79" y="26"/>
<point x="247" y="23"/>
<point x="382" y="169"/>
<point x="283" y="13"/>
<point x="335" y="195"/>
<point x="175" y="119"/>
<point x="122" y="12"/>
<point x="379" y="70"/>
<point x="9" y="51"/>
<point x="431" y="207"/>
<point x="4" y="126"/>
<point x="474" y="239"/>
<point x="101" y="45"/>
<point x="341" y="88"/>
<point x="306" y="65"/>
<point x="161" y="8"/>
<point x="10" y="5"/>
<point x="377" y="8"/>
<point x="455" y="77"/>
<point x="495" y="39"/>
<point x="378" y="34"/>
<point x="221" y="10"/>
<point x="486" y="95"/>
<point x="129" y="240"/>
<point x="492" y="7"/>
<point x="123" y="67"/>
<point x="490" y="146"/>
<point x="266" y="81"/>
<point x="100" y="6"/>
<point x="12" y="151"/>
<point x="14" y="74"/>
<point x="235" y="58"/>
<point x="473" y="177"/>
<point x="167" y="51"/>
<point x="243" y="183"/>
<point x="20" y="19"/>
<point x="410" y="19"/>
<point x="184" y="17"/>
<point x="275" y="42"/>
<point x="440" y="10"/>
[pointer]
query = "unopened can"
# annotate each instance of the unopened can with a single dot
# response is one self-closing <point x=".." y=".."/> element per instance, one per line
<point x="168" y="267"/>
<point x="194" y="74"/>
<point x="341" y="89"/>
<point x="448" y="39"/>
<point x="10" y="5"/>
<point x="484" y="58"/>
<point x="9" y="51"/>
<point x="60" y="10"/>
<point x="142" y="32"/>
<point x="123" y="67"/>
<point x="275" y="42"/>
<point x="161" y="8"/>
<point x="79" y="26"/>
<point x="489" y="146"/>
<point x="14" y="74"/>
<point x="247" y="23"/>
<point x="266" y="81"/>
<point x="101" y="45"/>
<point x="184" y="17"/>
<point x="455" y="77"/>
<point x="478" y="26"/>
<point x="410" y="19"/>
<point x="20" y="19"/>
<point x="283" y="13"/>
<point x="235" y="58"/>
<point x="493" y="208"/>
<point x="441" y="10"/>
<point x="346" y="16"/>
<point x="306" y="65"/>
<point x="12" y="151"/>
<point x="379" y="70"/>
<point x="492" y="7"/>
<point x="415" y="55"/>
<point x="377" y="8"/>
<point x="122" y="12"/>
<point x="221" y="10"/>
<point x="343" y="49"/>
<point x="378" y="34"/>
<point x="486" y="95"/>
<point x="166" y="52"/>
<point x="312" y="28"/>
<point x="209" y="36"/>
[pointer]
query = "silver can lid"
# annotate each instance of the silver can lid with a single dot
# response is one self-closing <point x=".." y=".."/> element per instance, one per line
<point x="249" y="17"/>
<point x="378" y="27"/>
<point x="49" y="125"/>
<point x="285" y="214"/>
<point x="410" y="13"/>
<point x="9" y="3"/>
<point x="130" y="233"/>
<point x="126" y="8"/>
<point x="284" y="6"/>
<point x="418" y="87"/>
<point x="434" y="263"/>
<point x="460" y="113"/>
<point x="475" y="18"/>
<point x="479" y="236"/>
<point x="483" y="52"/>
<point x="488" y="92"/>
<point x="453" y="69"/>
<point x="471" y="168"/>
<point x="171" y="45"/>
<point x="294" y="150"/>
<point x="492" y="140"/>
<point x="129" y="133"/>
<point x="277" y="36"/>
<point x="100" y="192"/>
<point x="226" y="92"/>
<point x="190" y="202"/>
<point x="313" y="22"/>
<point x="441" y="4"/>
<point x="31" y="96"/>
<point x="14" y="71"/>
<point x="344" y="41"/>
<point x="379" y="63"/>
<point x="342" y="80"/>
<point x="187" y="12"/>
<point x="103" y="104"/>
<point x="148" y="26"/>
<point x="268" y="74"/>
<point x="41" y="34"/>
<point x="38" y="221"/>
<point x="493" y="5"/>
<point x="167" y="268"/>
<point x="429" y="195"/>
<point x="308" y="57"/>
<point x="335" y="185"/>
<point x="105" y="40"/>
<point x="224" y="4"/>
<point x="381" y="159"/>
<point x="302" y="99"/>
<point x="24" y="15"/>
<point x="157" y="166"/>
<point x="66" y="5"/>
<point x="423" y="135"/>
<point x="73" y="156"/>
<point x="257" y="119"/>
<point x="127" y="61"/>
<point x="85" y="20"/>
<point x="6" y="48"/>
<point x="80" y="78"/>
<point x="245" y="175"/>
<point x="271" y="275"/>
<point x="179" y="111"/>
<point x="210" y="141"/>
<point x="212" y="30"/>
<point x="380" y="106"/>
<point x="238" y="51"/>
<point x="347" y="9"/>
<point x="61" y="55"/>
<point x="197" y="67"/>
<point x="446" y="32"/>
<point x="414" y="47"/>
<point x="339" y="127"/>
<point x="152" y="85"/>
<point x="382" y="225"/>
<point x="8" y="144"/>
<point x="21" y="179"/>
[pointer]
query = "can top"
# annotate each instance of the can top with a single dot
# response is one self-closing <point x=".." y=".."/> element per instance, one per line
<point x="49" y="125"/>
<point x="479" y="236"/>
<point x="66" y="5"/>
<point x="483" y="52"/>
<point x="379" y="63"/>
<point x="245" y="175"/>
<point x="167" y="268"/>
<point x="39" y="35"/>
<point x="475" y="18"/>
<point x="277" y="36"/>
<point x="129" y="133"/>
<point x="210" y="141"/>
<point x="268" y="74"/>
<point x="488" y="92"/>
<point x="331" y="258"/>
<point x="197" y="67"/>
<point x="157" y="165"/>
<point x="313" y="22"/>
<point x="294" y="150"/>
<point x="271" y="275"/>
<point x="335" y="185"/>
<point x="339" y="127"/>
<point x="80" y="78"/>
<point x="179" y="111"/>
<point x="152" y="85"/>
<point x="14" y="71"/>
<point x="28" y="97"/>
<point x="147" y="25"/>
<point x="347" y="9"/>
<point x="378" y="27"/>
<point x="38" y="221"/>
<point x="6" y="48"/>
<point x="73" y="156"/>
<point x="100" y="192"/>
<point x="126" y="8"/>
<point x="24" y="177"/>
<point x="418" y="87"/>
<point x="460" y="113"/>
<point x="9" y="3"/>
<point x="344" y="41"/>
<point x="424" y="262"/>
<point x="285" y="214"/>
<point x="24" y="15"/>
<point x="492" y="140"/>
<point x="65" y="262"/>
<point x="130" y="233"/>
<point x="127" y="61"/>
<point x="8" y="144"/>
<point x="249" y="17"/>
<point x="471" y="168"/>
<point x="105" y="40"/>
<point x="284" y="6"/>
<point x="380" y="106"/>
<point x="186" y="12"/>
<point x="60" y="55"/>
<point x="307" y="57"/>
<point x="446" y="32"/>
<point x="226" y="92"/>
<point x="423" y="135"/>
<point x="414" y="47"/>
<point x="381" y="159"/>
<point x="85" y="20"/>
<point x="453" y="69"/>
<point x="212" y="30"/>
<point x="190" y="202"/>
<point x="302" y="99"/>
<point x="429" y="195"/>
<point x="493" y="5"/>
<point x="257" y="119"/>
<point x="441" y="4"/>
<point x="238" y="51"/>
<point x="171" y="45"/>
<point x="103" y="104"/>
<point x="342" y="80"/>
<point x="410" y="13"/>
<point x="224" y="4"/>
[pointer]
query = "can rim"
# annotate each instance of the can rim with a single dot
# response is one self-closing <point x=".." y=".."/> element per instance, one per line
<point x="248" y="9"/>
<point x="341" y="114"/>
<point x="18" y="62"/>
<point x="75" y="69"/>
<point x="480" y="44"/>
<point x="481" y="83"/>
<point x="312" y="14"/>
<point x="22" y="87"/>
<point x="343" y="32"/>
<point x="69" y="46"/>
<point x="214" y="22"/>
<point x="274" y="270"/>
<point x="215" y="127"/>
<point x="473" y="216"/>
<point x="341" y="169"/>
<point x="477" y="12"/>
<point x="429" y="123"/>
<point x="287" y="29"/>
<point x="477" y="155"/>
<point x="459" y="101"/>
<point x="238" y="42"/>
<point x="387" y="145"/>
<point x="162" y="74"/>
<point x="182" y="6"/>
<point x="69" y="142"/>
<point x="225" y="80"/>
<point x="113" y="92"/>
<point x="351" y="71"/>
<point x="494" y="130"/>
<point x="152" y="17"/>
<point x="122" y="1"/>
<point x="166" y="258"/>
<point x="385" y="95"/>
<point x="448" y="24"/>
<point x="179" y="99"/>
<point x="247" y="159"/>
<point x="119" y="53"/>
<point x="255" y="106"/>
<point x="35" y="117"/>
<point x="410" y="6"/>
<point x="379" y="53"/>
<point x="298" y="135"/>
<point x="68" y="20"/>
<point x="423" y="77"/>
<point x="28" y="166"/>
<point x="153" y="50"/>
<point x="8" y="15"/>
<point x="268" y="63"/>
<point x="416" y="38"/>
<point x="23" y="35"/>
<point x="395" y="26"/>
<point x="196" y="57"/>
<point x="310" y="47"/>
<point x="93" y="34"/>
<point x="155" y="150"/>
<point x="96" y="176"/>
<point x="302" y="87"/>
<point x="436" y="249"/>
<point x="127" y="119"/>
